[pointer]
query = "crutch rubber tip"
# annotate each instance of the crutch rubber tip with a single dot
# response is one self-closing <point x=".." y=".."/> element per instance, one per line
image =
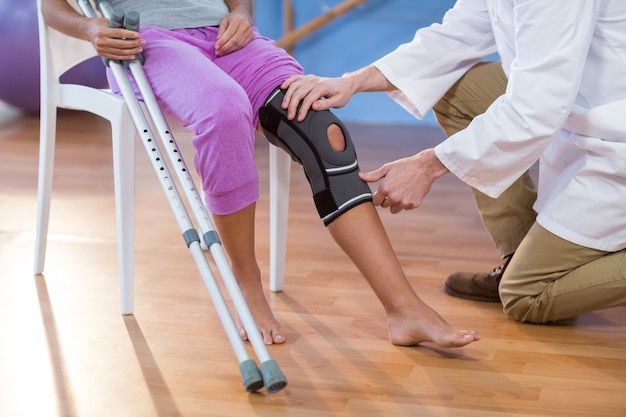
<point x="272" y="376"/>
<point x="252" y="379"/>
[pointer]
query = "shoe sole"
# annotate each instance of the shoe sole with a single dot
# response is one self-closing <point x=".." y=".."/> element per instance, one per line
<point x="467" y="296"/>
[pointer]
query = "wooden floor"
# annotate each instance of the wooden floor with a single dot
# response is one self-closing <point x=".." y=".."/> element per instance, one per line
<point x="65" y="349"/>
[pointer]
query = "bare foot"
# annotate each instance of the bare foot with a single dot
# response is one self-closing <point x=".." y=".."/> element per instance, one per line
<point x="267" y="324"/>
<point x="425" y="325"/>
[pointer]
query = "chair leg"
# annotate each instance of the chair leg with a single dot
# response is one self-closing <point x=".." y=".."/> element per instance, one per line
<point x="124" y="180"/>
<point x="280" y="171"/>
<point x="47" y="142"/>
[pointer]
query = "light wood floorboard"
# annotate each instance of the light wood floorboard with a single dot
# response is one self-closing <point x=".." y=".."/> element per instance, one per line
<point x="65" y="349"/>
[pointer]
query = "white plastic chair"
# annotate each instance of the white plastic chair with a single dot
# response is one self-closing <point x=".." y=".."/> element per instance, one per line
<point x="58" y="54"/>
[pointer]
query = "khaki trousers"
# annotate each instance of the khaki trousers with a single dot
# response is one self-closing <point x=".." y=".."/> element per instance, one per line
<point x="549" y="278"/>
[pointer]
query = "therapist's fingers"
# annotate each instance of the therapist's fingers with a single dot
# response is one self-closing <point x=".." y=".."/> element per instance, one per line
<point x="306" y="92"/>
<point x="299" y="96"/>
<point x="379" y="197"/>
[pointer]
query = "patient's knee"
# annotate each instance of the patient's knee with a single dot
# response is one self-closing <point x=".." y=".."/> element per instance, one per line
<point x="335" y="138"/>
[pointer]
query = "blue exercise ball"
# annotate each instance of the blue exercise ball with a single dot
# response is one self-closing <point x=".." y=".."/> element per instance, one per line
<point x="19" y="58"/>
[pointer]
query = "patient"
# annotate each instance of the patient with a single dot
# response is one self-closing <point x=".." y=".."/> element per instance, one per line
<point x="212" y="71"/>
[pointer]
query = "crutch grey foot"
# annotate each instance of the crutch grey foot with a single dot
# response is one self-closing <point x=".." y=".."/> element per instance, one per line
<point x="273" y="377"/>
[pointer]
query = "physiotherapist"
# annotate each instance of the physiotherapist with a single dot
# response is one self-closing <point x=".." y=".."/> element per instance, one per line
<point x="557" y="96"/>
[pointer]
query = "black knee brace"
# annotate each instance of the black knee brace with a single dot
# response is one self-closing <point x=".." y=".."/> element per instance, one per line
<point x="333" y="175"/>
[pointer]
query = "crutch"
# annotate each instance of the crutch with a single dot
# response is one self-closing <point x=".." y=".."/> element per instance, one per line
<point x="268" y="373"/>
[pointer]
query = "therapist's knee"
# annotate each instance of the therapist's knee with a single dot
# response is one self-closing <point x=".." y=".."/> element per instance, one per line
<point x="522" y="306"/>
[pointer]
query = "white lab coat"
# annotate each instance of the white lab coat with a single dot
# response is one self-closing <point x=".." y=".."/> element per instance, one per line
<point x="565" y="105"/>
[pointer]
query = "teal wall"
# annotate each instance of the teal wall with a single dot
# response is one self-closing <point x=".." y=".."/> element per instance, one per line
<point x="354" y="40"/>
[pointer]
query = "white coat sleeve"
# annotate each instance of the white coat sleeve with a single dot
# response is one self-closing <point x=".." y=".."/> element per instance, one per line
<point x="551" y="41"/>
<point x="425" y="68"/>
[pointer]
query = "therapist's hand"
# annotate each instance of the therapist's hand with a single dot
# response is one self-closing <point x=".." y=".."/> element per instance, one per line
<point x="314" y="92"/>
<point x="405" y="182"/>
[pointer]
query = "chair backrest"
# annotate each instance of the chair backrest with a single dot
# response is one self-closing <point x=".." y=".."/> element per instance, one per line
<point x="60" y="52"/>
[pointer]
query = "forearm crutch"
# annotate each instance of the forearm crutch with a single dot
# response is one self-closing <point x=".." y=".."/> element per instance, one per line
<point x="268" y="373"/>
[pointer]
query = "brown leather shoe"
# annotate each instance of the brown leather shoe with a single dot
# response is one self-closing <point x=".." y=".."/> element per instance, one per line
<point x="477" y="286"/>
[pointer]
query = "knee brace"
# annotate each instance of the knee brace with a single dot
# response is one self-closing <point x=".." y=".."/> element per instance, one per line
<point x="333" y="175"/>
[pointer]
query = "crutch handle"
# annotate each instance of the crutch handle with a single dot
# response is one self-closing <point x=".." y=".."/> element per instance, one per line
<point x="132" y="23"/>
<point x="116" y="21"/>
<point x="117" y="18"/>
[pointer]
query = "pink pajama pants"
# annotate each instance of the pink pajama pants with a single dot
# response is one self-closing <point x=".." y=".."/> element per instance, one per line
<point x="218" y="99"/>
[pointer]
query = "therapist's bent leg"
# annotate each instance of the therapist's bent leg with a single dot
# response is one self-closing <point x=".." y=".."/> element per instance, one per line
<point x="550" y="279"/>
<point x="508" y="217"/>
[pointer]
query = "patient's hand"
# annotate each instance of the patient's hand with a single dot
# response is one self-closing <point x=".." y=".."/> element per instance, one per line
<point x="235" y="32"/>
<point x="115" y="44"/>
